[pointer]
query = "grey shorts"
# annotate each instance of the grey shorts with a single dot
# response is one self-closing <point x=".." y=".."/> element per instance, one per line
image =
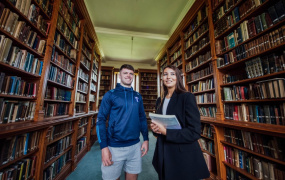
<point x="127" y="158"/>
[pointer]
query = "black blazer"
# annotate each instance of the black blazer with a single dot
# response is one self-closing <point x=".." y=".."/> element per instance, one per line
<point x="178" y="155"/>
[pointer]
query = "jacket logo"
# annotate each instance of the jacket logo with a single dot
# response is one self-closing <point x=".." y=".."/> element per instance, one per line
<point x="137" y="98"/>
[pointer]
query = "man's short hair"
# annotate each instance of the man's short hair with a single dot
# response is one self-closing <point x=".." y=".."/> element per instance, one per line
<point x="127" y="66"/>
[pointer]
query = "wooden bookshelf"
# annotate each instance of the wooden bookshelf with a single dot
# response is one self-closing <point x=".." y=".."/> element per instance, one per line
<point x="254" y="59"/>
<point x="56" y="47"/>
<point x="106" y="81"/>
<point x="148" y="89"/>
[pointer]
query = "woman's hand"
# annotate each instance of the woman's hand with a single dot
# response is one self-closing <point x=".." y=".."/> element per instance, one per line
<point x="158" y="128"/>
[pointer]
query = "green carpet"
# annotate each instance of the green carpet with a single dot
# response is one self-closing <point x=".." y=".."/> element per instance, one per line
<point x="89" y="168"/>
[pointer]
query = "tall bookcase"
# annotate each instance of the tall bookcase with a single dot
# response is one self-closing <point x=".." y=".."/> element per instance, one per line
<point x="148" y="89"/>
<point x="48" y="87"/>
<point x="106" y="81"/>
<point x="234" y="65"/>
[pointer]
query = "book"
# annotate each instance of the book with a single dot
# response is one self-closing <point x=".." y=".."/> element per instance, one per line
<point x="168" y="121"/>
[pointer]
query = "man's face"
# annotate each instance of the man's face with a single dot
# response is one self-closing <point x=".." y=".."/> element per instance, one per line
<point x="126" y="77"/>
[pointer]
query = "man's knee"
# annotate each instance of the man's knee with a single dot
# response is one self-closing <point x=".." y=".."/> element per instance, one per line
<point x="131" y="176"/>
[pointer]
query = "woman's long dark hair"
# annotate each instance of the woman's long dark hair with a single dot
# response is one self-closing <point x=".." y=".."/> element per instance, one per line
<point x="179" y="88"/>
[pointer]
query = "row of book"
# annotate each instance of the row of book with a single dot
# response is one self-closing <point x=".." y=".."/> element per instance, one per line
<point x="232" y="174"/>
<point x="94" y="76"/>
<point x="71" y="7"/>
<point x="86" y="51"/>
<point x="202" y="85"/>
<point x="55" y="93"/>
<point x="93" y="121"/>
<point x="162" y="67"/>
<point x="151" y="88"/>
<point x="24" y="61"/>
<point x="198" y="60"/>
<point x="59" y="76"/>
<point x="237" y="13"/>
<point x="85" y="63"/>
<point x="55" y="149"/>
<point x="17" y="57"/>
<point x="149" y="78"/>
<point x="57" y="109"/>
<point x="64" y="29"/>
<point x="201" y="15"/>
<point x="260" y="66"/>
<point x="146" y="83"/>
<point x="82" y="122"/>
<point x="24" y="34"/>
<point x="252" y="48"/>
<point x="263" y="144"/>
<point x="148" y="75"/>
<point x="74" y="24"/>
<point x="207" y="145"/>
<point x="87" y="38"/>
<point x="248" y="29"/>
<point x="152" y="97"/>
<point x="17" y="146"/>
<point x="177" y="62"/>
<point x="64" y="46"/>
<point x="259" y="168"/>
<point x="208" y="111"/>
<point x="83" y="75"/>
<point x="82" y="86"/>
<point x="207" y="130"/>
<point x="271" y="88"/>
<point x="149" y="107"/>
<point x="55" y="168"/>
<point x="13" y="85"/>
<point x="163" y="60"/>
<point x="265" y="65"/>
<point x="46" y="5"/>
<point x="58" y="130"/>
<point x="222" y="10"/>
<point x="206" y="98"/>
<point x="104" y="86"/>
<point x="80" y="97"/>
<point x="63" y="62"/>
<point x="176" y="55"/>
<point x="81" y="143"/>
<point x="202" y="43"/>
<point x="92" y="98"/>
<point x="199" y="74"/>
<point x="93" y="87"/>
<point x="174" y="47"/>
<point x="267" y="114"/>
<point x="16" y="111"/>
<point x="9" y="20"/>
<point x="200" y="31"/>
<point x="95" y="65"/>
<point x="23" y="169"/>
<point x="79" y="108"/>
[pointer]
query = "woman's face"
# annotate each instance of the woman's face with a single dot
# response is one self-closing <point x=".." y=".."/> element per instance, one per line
<point x="169" y="78"/>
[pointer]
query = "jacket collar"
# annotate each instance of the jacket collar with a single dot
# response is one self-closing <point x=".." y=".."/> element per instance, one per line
<point x="122" y="88"/>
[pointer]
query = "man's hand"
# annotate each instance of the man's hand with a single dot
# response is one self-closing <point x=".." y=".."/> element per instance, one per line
<point x="106" y="157"/>
<point x="144" y="148"/>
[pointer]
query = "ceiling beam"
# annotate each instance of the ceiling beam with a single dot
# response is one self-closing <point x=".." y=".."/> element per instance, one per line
<point x="101" y="30"/>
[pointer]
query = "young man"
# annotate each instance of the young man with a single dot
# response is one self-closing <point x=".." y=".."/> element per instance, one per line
<point x="120" y="142"/>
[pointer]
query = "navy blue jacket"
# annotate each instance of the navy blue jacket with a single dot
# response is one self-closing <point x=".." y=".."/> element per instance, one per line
<point x="126" y="118"/>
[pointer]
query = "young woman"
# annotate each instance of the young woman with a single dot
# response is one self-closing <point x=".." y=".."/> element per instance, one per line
<point x="177" y="153"/>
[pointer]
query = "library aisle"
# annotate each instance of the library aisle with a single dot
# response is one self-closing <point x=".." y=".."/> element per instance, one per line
<point x="89" y="168"/>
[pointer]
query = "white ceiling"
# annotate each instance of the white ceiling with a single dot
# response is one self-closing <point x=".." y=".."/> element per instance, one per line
<point x="135" y="30"/>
